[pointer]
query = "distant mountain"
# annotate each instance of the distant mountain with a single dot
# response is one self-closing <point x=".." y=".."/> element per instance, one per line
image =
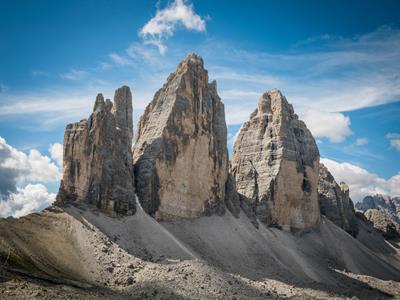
<point x="390" y="206"/>
<point x="172" y="218"/>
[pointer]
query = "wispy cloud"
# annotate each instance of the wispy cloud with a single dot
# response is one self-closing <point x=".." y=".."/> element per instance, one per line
<point x="341" y="74"/>
<point x="394" y="139"/>
<point x="163" y="25"/>
<point x="40" y="73"/>
<point x="2" y="87"/>
<point x="75" y="74"/>
<point x="119" y="59"/>
<point x="361" y="141"/>
<point x="322" y="83"/>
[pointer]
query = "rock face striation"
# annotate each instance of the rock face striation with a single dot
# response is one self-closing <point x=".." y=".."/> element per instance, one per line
<point x="386" y="204"/>
<point x="335" y="202"/>
<point x="98" y="167"/>
<point x="275" y="164"/>
<point x="383" y="223"/>
<point x="180" y="155"/>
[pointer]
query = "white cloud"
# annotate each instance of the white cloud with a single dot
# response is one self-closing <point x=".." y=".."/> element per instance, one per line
<point x="17" y="167"/>
<point x="56" y="153"/>
<point x="394" y="139"/>
<point x="166" y="21"/>
<point x="339" y="75"/>
<point x="362" y="182"/>
<point x="333" y="125"/>
<point x="32" y="198"/>
<point x="74" y="74"/>
<point x="361" y="141"/>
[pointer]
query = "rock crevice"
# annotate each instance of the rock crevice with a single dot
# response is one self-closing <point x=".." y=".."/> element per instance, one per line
<point x="97" y="159"/>
<point x="180" y="154"/>
<point x="335" y="202"/>
<point x="275" y="164"/>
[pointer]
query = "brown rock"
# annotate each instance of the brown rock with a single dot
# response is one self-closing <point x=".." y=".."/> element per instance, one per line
<point x="383" y="223"/>
<point x="180" y="154"/>
<point x="98" y="168"/>
<point x="275" y="163"/>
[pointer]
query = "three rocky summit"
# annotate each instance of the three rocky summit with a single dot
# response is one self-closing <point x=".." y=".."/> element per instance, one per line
<point x="179" y="166"/>
<point x="178" y="169"/>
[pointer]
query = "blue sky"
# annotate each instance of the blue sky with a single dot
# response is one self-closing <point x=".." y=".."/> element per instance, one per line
<point x="337" y="62"/>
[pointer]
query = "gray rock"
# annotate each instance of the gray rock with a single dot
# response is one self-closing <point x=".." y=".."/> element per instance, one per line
<point x="98" y="167"/>
<point x="335" y="202"/>
<point x="383" y="223"/>
<point x="180" y="154"/>
<point x="275" y="164"/>
<point x="388" y="205"/>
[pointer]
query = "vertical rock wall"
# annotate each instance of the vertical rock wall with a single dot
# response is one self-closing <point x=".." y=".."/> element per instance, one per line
<point x="335" y="202"/>
<point x="275" y="164"/>
<point x="180" y="154"/>
<point x="98" y="167"/>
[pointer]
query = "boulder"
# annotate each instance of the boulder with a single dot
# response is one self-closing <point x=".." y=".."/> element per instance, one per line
<point x="97" y="157"/>
<point x="180" y="155"/>
<point x="275" y="164"/>
<point x="335" y="202"/>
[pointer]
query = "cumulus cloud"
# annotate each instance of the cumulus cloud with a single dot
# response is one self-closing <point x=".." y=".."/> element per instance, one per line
<point x="32" y="198"/>
<point x="18" y="167"/>
<point x="362" y="182"/>
<point x="163" y="25"/>
<point x="394" y="139"/>
<point x="361" y="141"/>
<point x="332" y="125"/>
<point x="56" y="153"/>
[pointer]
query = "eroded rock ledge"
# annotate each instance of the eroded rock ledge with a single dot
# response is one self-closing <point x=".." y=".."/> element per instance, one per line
<point x="98" y="168"/>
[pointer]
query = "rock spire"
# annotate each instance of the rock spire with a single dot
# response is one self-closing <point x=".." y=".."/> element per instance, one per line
<point x="97" y="157"/>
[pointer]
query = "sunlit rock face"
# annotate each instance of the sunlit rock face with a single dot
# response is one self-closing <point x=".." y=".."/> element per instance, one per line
<point x="335" y="201"/>
<point x="275" y="164"/>
<point x="180" y="155"/>
<point x="98" y="167"/>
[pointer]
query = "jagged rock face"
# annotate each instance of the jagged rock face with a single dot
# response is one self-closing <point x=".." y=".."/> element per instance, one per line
<point x="335" y="202"/>
<point x="180" y="154"/>
<point x="275" y="164"/>
<point x="383" y="223"/>
<point x="98" y="167"/>
<point x="390" y="206"/>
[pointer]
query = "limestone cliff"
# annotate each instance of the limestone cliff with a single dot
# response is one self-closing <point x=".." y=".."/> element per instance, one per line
<point x="335" y="202"/>
<point x="275" y="164"/>
<point x="180" y="155"/>
<point x="98" y="168"/>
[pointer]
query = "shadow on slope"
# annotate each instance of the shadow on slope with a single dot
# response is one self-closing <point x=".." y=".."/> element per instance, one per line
<point x="65" y="244"/>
